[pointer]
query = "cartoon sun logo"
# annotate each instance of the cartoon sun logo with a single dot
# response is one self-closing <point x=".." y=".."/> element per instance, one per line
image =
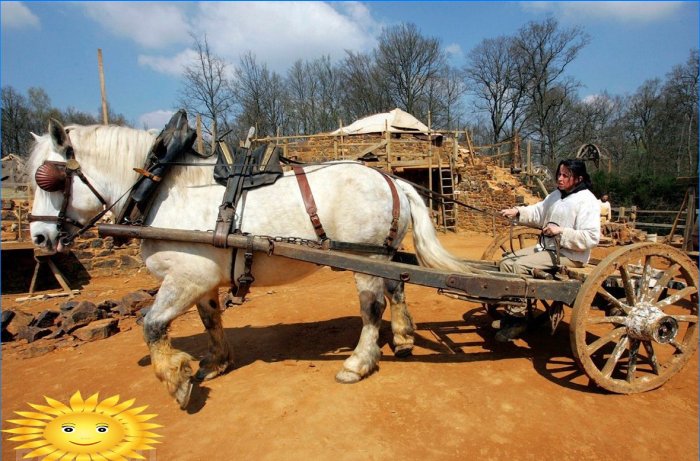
<point x="87" y="430"/>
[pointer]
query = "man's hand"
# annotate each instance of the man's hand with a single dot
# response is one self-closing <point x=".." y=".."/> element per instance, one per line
<point x="550" y="230"/>
<point x="509" y="213"/>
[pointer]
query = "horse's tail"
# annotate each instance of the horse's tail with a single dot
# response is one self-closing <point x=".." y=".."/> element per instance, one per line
<point x="429" y="250"/>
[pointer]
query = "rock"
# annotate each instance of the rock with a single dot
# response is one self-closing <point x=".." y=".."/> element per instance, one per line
<point x="46" y="319"/>
<point x="84" y="313"/>
<point x="68" y="305"/>
<point x="107" y="305"/>
<point x="19" y="320"/>
<point x="7" y="317"/>
<point x="133" y="302"/>
<point x="37" y="350"/>
<point x="32" y="333"/>
<point x="99" y="329"/>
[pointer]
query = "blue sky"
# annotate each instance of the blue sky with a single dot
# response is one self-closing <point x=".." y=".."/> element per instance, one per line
<point x="53" y="45"/>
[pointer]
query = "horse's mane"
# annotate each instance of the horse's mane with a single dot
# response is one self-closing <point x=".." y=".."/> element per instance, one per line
<point x="115" y="150"/>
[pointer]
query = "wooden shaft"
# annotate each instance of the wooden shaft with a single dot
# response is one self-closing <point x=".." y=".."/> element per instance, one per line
<point x="105" y="119"/>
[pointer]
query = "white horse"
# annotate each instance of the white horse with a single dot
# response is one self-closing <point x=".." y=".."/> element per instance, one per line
<point x="354" y="205"/>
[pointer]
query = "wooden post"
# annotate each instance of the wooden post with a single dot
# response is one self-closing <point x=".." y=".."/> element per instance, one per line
<point x="387" y="137"/>
<point x="100" y="68"/>
<point x="200" y="140"/>
<point x="529" y="164"/>
<point x="689" y="221"/>
<point x="430" y="167"/>
<point x="340" y="127"/>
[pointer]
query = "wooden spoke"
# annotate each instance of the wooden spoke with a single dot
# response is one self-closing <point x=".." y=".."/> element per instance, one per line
<point x="614" y="335"/>
<point x="644" y="288"/>
<point x="687" y="291"/>
<point x="663" y="282"/>
<point x="629" y="287"/>
<point x="686" y="318"/>
<point x="632" y="364"/>
<point x="616" y="302"/>
<point x="652" y="356"/>
<point x="615" y="356"/>
<point x="618" y="319"/>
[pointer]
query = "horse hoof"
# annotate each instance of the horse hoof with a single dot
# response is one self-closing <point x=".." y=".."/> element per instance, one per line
<point x="183" y="394"/>
<point x="403" y="351"/>
<point x="205" y="374"/>
<point x="346" y="376"/>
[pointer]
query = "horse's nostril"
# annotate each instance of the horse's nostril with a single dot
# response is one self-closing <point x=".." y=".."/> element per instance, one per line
<point x="39" y="239"/>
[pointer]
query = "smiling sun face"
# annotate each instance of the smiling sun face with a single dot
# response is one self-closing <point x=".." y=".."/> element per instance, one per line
<point x="84" y="432"/>
<point x="88" y="429"/>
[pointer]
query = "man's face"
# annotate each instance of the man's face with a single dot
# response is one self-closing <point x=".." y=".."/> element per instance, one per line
<point x="604" y="198"/>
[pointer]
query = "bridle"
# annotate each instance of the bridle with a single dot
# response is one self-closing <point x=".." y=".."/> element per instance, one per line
<point x="53" y="176"/>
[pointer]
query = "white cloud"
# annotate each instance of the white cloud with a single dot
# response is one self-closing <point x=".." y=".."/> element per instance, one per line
<point x="454" y="50"/>
<point x="155" y="120"/>
<point x="152" y="25"/>
<point x="277" y="33"/>
<point x="172" y="65"/>
<point x="639" y="12"/>
<point x="16" y="15"/>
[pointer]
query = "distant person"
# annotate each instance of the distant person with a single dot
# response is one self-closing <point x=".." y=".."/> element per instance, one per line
<point x="570" y="214"/>
<point x="605" y="210"/>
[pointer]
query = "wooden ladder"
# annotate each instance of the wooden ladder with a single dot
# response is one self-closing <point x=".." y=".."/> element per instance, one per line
<point x="448" y="209"/>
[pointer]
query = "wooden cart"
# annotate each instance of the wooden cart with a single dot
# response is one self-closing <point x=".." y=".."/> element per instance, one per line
<point x="634" y="323"/>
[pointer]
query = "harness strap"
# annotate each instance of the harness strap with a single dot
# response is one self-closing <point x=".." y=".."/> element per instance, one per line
<point x="246" y="279"/>
<point x="395" y="211"/>
<point x="227" y="209"/>
<point x="309" y="202"/>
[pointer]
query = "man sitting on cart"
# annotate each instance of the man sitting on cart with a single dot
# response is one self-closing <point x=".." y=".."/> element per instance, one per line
<point x="570" y="221"/>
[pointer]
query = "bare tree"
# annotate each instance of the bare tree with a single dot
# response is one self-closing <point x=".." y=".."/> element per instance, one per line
<point x="681" y="93"/>
<point x="364" y="91"/>
<point x="542" y="52"/>
<point x="408" y="62"/>
<point x="207" y="89"/>
<point x="493" y="79"/>
<point x="262" y="96"/>
<point x="643" y="115"/>
<point x="15" y="123"/>
<point x="314" y="95"/>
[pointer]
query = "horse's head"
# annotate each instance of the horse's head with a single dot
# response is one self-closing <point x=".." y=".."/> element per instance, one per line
<point x="63" y="197"/>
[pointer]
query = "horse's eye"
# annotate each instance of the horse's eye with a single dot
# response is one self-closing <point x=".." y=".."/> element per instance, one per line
<point x="50" y="177"/>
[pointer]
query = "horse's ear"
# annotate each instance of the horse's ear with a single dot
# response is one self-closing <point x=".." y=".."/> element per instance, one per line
<point x="58" y="134"/>
<point x="35" y="136"/>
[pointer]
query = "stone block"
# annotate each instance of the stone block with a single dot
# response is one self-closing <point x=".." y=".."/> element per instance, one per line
<point x="99" y="329"/>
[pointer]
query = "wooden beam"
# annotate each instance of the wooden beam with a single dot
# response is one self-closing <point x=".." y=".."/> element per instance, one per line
<point x="100" y="68"/>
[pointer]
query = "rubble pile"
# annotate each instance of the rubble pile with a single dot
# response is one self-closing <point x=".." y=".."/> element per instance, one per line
<point x="74" y="323"/>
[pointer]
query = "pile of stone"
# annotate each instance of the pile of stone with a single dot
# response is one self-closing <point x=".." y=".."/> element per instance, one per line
<point x="617" y="233"/>
<point x="75" y="322"/>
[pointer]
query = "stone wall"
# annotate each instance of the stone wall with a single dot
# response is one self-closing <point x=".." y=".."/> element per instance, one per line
<point x="101" y="257"/>
<point x="489" y="188"/>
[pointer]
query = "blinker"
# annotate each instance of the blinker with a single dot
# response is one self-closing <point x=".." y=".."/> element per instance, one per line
<point x="51" y="176"/>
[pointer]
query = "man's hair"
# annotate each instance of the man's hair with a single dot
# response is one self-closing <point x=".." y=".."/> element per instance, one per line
<point x="578" y="168"/>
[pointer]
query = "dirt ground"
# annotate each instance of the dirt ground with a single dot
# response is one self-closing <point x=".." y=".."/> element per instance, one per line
<point x="460" y="396"/>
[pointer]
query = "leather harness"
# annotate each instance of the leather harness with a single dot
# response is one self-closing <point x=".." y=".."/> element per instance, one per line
<point x="312" y="211"/>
